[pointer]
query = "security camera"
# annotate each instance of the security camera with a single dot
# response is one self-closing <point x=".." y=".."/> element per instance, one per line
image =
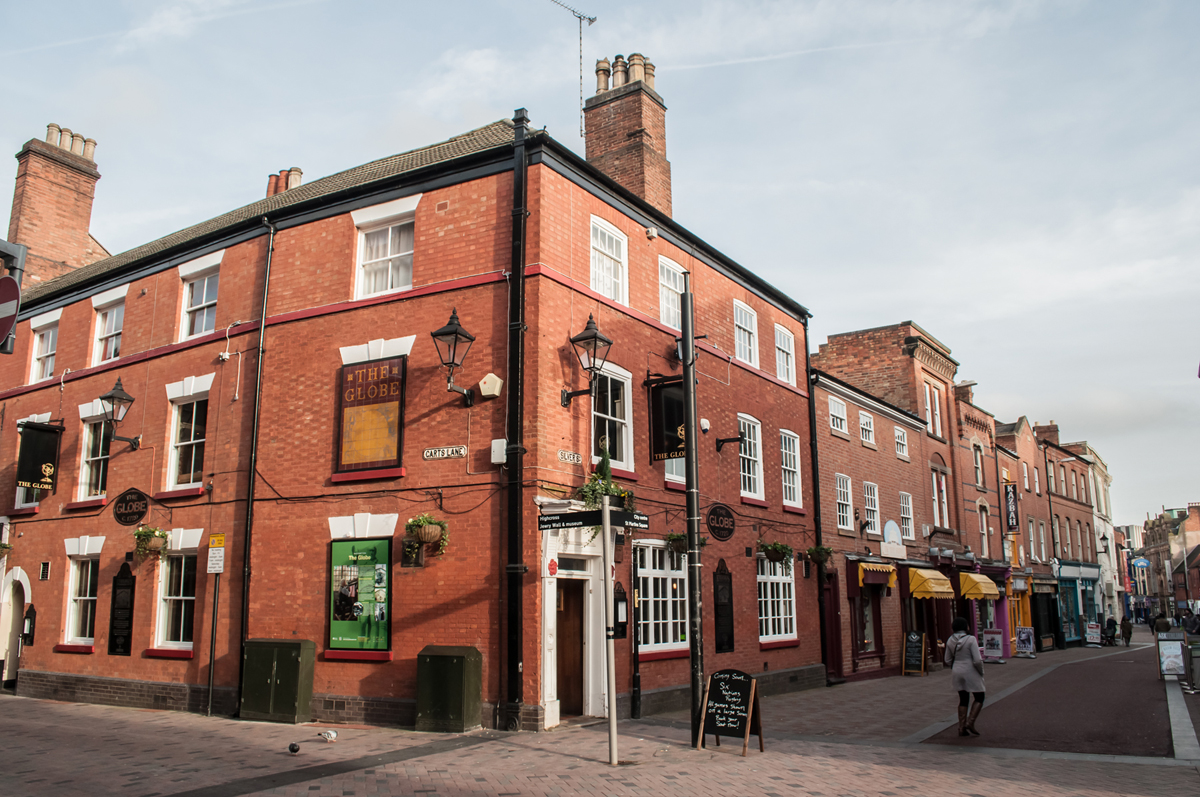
<point x="704" y="425"/>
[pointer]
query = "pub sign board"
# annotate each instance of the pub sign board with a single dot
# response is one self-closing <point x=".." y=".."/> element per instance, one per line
<point x="360" y="594"/>
<point x="720" y="522"/>
<point x="371" y="416"/>
<point x="37" y="462"/>
<point x="131" y="507"/>
<point x="667" y="425"/>
<point x="1012" y="522"/>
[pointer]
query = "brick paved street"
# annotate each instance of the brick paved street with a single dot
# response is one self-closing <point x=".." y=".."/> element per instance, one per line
<point x="854" y="739"/>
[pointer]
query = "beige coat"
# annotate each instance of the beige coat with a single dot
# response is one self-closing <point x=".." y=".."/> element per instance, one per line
<point x="962" y="653"/>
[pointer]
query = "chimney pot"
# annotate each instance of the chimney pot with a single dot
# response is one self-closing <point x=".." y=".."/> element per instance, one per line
<point x="53" y="132"/>
<point x="77" y="144"/>
<point x="272" y="183"/>
<point x="89" y="149"/>
<point x="637" y="69"/>
<point x="64" y="138"/>
<point x="603" y="71"/>
<point x="649" y="74"/>
<point x="294" y="175"/>
<point x="619" y="72"/>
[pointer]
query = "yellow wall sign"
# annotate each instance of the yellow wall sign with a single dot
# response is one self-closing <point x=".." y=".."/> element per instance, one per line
<point x="216" y="540"/>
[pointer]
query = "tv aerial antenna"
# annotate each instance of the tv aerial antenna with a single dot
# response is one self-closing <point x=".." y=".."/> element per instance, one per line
<point x="579" y="15"/>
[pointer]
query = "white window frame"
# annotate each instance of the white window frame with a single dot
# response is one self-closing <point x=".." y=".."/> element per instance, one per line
<point x="1074" y="488"/>
<point x="81" y="603"/>
<point x="1037" y="484"/>
<point x="670" y="293"/>
<point x="177" y="445"/>
<point x="907" y="528"/>
<point x="100" y="460"/>
<point x="203" y="306"/>
<point x="977" y="458"/>
<point x="871" y="507"/>
<point x="837" y="415"/>
<point x="785" y="355"/>
<point x="901" y="442"/>
<point x="364" y="268"/>
<point x="941" y="506"/>
<point x="165" y="600"/>
<point x="745" y="333"/>
<point x="776" y="601"/>
<point x="45" y="349"/>
<point x="674" y="470"/>
<point x="866" y="427"/>
<point x="619" y="374"/>
<point x="1062" y="484"/>
<point x="22" y="500"/>
<point x="1050" y="478"/>
<point x="187" y="391"/>
<point x="107" y="305"/>
<point x="982" y="512"/>
<point x="750" y="457"/>
<point x="1042" y="538"/>
<point x="933" y="409"/>
<point x="845" y="507"/>
<point x="662" y="593"/>
<point x="1025" y="474"/>
<point x="789" y="466"/>
<point x="609" y="271"/>
<point x="1032" y="539"/>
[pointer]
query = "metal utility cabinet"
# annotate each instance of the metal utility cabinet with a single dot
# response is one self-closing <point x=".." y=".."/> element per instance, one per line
<point x="277" y="680"/>
<point x="449" y="688"/>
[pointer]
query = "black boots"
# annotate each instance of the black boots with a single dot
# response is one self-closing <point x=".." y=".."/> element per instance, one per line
<point x="962" y="721"/>
<point x="969" y="726"/>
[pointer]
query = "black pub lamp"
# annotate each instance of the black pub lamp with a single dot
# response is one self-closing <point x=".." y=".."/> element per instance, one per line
<point x="116" y="403"/>
<point x="592" y="349"/>
<point x="453" y="342"/>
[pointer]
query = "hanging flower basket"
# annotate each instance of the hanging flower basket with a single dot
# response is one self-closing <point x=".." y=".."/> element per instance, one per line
<point x="777" y="552"/>
<point x="149" y="541"/>
<point x="820" y="554"/>
<point x="677" y="542"/>
<point x="774" y="555"/>
<point x="429" y="534"/>
<point x="155" y="543"/>
<point x="428" y="530"/>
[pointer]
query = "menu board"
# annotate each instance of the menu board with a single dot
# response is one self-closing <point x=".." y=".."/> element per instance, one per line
<point x="731" y="708"/>
<point x="1171" y="650"/>
<point x="914" y="653"/>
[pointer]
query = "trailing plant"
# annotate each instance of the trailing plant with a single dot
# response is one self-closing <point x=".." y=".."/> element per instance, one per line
<point x="820" y="553"/>
<point x="412" y="548"/>
<point x="415" y="524"/>
<point x="599" y="484"/>
<point x="5" y="548"/>
<point x="780" y="551"/>
<point x="142" y="546"/>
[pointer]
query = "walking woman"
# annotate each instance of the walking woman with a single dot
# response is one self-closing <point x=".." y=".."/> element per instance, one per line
<point x="962" y="654"/>
<point x="1126" y="629"/>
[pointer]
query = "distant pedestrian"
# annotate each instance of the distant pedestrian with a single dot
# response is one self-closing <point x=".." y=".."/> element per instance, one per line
<point x="1161" y="624"/>
<point x="1110" y="631"/>
<point x="962" y="654"/>
<point x="1126" y="630"/>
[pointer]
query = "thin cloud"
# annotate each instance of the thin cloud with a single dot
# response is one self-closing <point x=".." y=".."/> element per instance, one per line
<point x="796" y="53"/>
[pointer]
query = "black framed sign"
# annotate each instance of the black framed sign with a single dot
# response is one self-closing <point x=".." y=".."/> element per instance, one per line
<point x="1011" y="521"/>
<point x="131" y="507"/>
<point x="360" y="595"/>
<point x="666" y="421"/>
<point x="120" y="613"/>
<point x="371" y="415"/>
<point x="720" y="522"/>
<point x="37" y="462"/>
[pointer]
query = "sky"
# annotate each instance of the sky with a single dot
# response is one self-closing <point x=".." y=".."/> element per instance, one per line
<point x="1020" y="178"/>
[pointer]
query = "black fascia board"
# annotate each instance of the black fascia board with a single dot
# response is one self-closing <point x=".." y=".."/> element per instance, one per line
<point x="428" y="178"/>
<point x="830" y="378"/>
<point x="568" y="164"/>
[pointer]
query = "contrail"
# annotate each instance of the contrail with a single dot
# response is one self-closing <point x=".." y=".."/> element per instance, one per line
<point x="794" y="53"/>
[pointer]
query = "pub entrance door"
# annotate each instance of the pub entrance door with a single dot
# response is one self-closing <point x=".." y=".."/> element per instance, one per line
<point x="569" y="640"/>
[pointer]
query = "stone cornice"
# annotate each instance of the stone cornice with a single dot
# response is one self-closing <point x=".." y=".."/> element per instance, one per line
<point x="931" y="358"/>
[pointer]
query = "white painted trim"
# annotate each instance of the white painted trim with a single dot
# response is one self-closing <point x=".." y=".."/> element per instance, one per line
<point x="192" y="388"/>
<point x="37" y="417"/>
<point x="117" y="294"/>
<point x="194" y="268"/>
<point x="386" y="211"/>
<point x="377" y="350"/>
<point x="18" y="575"/>
<point x="93" y="411"/>
<point x="83" y="547"/>
<point x="44" y="320"/>
<point x="361" y="525"/>
<point x="185" y="540"/>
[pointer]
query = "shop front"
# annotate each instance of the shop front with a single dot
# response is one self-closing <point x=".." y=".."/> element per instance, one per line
<point x="927" y="597"/>
<point x="988" y="610"/>
<point x="872" y="611"/>
<point x="1044" y="604"/>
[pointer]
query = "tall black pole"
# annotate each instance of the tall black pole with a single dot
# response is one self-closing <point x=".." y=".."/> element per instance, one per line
<point x="692" y="483"/>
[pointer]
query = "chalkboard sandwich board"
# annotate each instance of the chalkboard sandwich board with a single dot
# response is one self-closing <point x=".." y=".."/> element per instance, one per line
<point x="914" y="653"/>
<point x="731" y="708"/>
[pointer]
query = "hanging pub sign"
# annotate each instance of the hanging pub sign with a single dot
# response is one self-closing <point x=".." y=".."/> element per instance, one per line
<point x="37" y="462"/>
<point x="371" y="418"/>
<point x="720" y="522"/>
<point x="1012" y="522"/>
<point x="131" y="507"/>
<point x="666" y="421"/>
<point x="360" y="595"/>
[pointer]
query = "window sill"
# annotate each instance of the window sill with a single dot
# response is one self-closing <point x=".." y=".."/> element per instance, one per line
<point x="358" y="655"/>
<point x="86" y="649"/>
<point x="617" y="473"/>
<point x="869" y="444"/>
<point x="781" y="643"/>
<point x="183" y="492"/>
<point x="903" y="458"/>
<point x="795" y="510"/>
<point x="25" y="510"/>
<point x="368" y="475"/>
<point x="678" y="486"/>
<point x="754" y="502"/>
<point x="874" y="654"/>
<point x="91" y="503"/>
<point x="168" y="653"/>
<point x="663" y="655"/>
<point x="937" y="437"/>
<point x="837" y="433"/>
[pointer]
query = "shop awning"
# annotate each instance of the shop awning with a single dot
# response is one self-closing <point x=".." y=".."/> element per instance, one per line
<point x="873" y="573"/>
<point x="975" y="586"/>
<point x="929" y="584"/>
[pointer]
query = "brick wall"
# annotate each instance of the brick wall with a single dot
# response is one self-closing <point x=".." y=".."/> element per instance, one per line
<point x="626" y="139"/>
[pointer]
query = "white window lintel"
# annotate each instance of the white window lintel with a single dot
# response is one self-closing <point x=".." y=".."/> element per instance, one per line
<point x="192" y="388"/>
<point x="194" y="268"/>
<point x="39" y="322"/>
<point x="377" y="350"/>
<point x="83" y="547"/>
<point x="362" y="525"/>
<point x="386" y="211"/>
<point x="110" y="297"/>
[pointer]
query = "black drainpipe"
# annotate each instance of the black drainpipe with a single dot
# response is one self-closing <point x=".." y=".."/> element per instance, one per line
<point x="253" y="466"/>
<point x="515" y="569"/>
<point x="816" y="483"/>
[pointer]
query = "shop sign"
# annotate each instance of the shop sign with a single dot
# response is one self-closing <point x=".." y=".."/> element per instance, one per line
<point x="993" y="643"/>
<point x="120" y="613"/>
<point x="1024" y="641"/>
<point x="131" y="507"/>
<point x="1141" y="562"/>
<point x="570" y="457"/>
<point x="667" y="427"/>
<point x="446" y="452"/>
<point x="1093" y="633"/>
<point x="371" y="415"/>
<point x="360" y="595"/>
<point x="1010" y="507"/>
<point x="37" y="462"/>
<point x="720" y="522"/>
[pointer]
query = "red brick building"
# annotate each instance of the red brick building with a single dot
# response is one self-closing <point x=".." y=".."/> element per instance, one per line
<point x="288" y="396"/>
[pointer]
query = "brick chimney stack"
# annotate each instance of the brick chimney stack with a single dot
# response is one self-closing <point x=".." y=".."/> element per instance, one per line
<point x="626" y="127"/>
<point x="52" y="204"/>
<point x="284" y="181"/>
<point x="1046" y="431"/>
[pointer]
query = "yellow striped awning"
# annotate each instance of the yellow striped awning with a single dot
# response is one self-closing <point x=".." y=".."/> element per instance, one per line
<point x="929" y="584"/>
<point x="872" y="567"/>
<point x="975" y="586"/>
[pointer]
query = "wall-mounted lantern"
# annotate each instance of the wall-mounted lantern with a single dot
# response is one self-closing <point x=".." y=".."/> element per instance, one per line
<point x="591" y="346"/>
<point x="453" y="342"/>
<point x="116" y="403"/>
